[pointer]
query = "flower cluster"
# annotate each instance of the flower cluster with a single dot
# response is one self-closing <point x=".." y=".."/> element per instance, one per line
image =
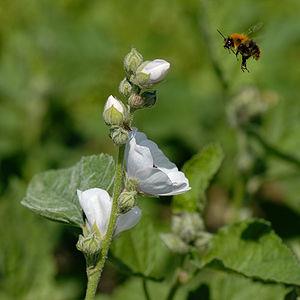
<point x="148" y="170"/>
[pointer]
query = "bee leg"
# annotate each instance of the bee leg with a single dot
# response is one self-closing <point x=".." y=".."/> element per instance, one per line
<point x="236" y="54"/>
<point x="244" y="64"/>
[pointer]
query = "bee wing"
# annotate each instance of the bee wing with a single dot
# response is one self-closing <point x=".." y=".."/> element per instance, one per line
<point x="255" y="28"/>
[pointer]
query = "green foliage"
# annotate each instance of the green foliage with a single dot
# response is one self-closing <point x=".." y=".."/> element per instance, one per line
<point x="200" y="169"/>
<point x="52" y="194"/>
<point x="223" y="286"/>
<point x="252" y="249"/>
<point x="138" y="248"/>
<point x="27" y="264"/>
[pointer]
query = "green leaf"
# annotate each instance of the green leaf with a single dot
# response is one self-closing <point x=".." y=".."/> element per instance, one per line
<point x="223" y="286"/>
<point x="251" y="248"/>
<point x="138" y="248"/>
<point x="200" y="169"/>
<point x="52" y="194"/>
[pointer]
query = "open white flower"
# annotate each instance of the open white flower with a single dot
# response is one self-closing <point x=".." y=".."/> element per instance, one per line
<point x="96" y="204"/>
<point x="156" y="69"/>
<point x="155" y="174"/>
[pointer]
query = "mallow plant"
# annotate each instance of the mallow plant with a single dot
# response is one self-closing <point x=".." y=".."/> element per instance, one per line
<point x="101" y="196"/>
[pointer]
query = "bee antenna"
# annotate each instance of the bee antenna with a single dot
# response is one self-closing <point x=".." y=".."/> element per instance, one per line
<point x="221" y="34"/>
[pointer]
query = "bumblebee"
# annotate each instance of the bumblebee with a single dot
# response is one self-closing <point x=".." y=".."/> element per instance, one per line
<point x="242" y="44"/>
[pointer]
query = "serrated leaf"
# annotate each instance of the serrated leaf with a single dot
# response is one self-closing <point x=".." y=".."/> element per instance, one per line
<point x="200" y="169"/>
<point x="52" y="194"/>
<point x="138" y="248"/>
<point x="251" y="248"/>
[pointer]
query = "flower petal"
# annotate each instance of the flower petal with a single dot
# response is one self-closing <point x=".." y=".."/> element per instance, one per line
<point x="153" y="181"/>
<point x="128" y="220"/>
<point x="96" y="204"/>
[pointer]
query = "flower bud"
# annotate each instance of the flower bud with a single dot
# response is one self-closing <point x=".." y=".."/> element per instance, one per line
<point x="202" y="240"/>
<point x="132" y="61"/>
<point x="90" y="246"/>
<point x="187" y="226"/>
<point x="127" y="201"/>
<point x="119" y="135"/>
<point x="146" y="99"/>
<point x="114" y="111"/>
<point x="174" y="243"/>
<point x="136" y="101"/>
<point x="151" y="72"/>
<point x="125" y="87"/>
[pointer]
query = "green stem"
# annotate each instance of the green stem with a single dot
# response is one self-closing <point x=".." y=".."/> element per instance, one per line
<point x="251" y="131"/>
<point x="94" y="273"/>
<point x="174" y="288"/>
<point x="145" y="288"/>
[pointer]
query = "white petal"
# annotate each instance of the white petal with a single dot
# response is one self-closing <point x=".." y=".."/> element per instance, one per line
<point x="96" y="204"/>
<point x="117" y="104"/>
<point x="137" y="158"/>
<point x="157" y="69"/>
<point x="153" y="181"/>
<point x="128" y="220"/>
<point x="155" y="173"/>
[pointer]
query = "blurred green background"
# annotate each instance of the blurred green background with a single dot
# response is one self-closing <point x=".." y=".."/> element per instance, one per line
<point x="61" y="59"/>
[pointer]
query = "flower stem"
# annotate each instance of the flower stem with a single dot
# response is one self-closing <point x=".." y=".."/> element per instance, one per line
<point x="94" y="273"/>
<point x="145" y="288"/>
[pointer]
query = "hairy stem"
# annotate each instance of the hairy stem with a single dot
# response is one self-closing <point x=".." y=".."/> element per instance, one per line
<point x="145" y="288"/>
<point x="94" y="273"/>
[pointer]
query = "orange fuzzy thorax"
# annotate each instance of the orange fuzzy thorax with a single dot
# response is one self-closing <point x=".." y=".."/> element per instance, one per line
<point x="238" y="38"/>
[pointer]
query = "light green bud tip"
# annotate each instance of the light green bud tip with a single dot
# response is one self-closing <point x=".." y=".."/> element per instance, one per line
<point x="132" y="61"/>
<point x="125" y="87"/>
<point x="114" y="111"/>
<point x="119" y="135"/>
<point x="127" y="201"/>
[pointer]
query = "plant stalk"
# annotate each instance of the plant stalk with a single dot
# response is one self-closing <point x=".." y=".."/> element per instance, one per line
<point x="94" y="273"/>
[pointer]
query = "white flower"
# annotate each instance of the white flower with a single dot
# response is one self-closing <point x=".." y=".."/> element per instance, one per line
<point x="96" y="204"/>
<point x="156" y="69"/>
<point x="155" y="174"/>
<point x="114" y="111"/>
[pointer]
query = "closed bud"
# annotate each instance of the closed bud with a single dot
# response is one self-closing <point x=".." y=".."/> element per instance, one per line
<point x="127" y="201"/>
<point x="114" y="112"/>
<point x="125" y="87"/>
<point x="119" y="135"/>
<point x="174" y="243"/>
<point x="136" y="101"/>
<point x="90" y="246"/>
<point x="187" y="226"/>
<point x="132" y="61"/>
<point x="151" y="72"/>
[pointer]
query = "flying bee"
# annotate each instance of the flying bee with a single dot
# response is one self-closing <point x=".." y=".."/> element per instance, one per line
<point x="240" y="43"/>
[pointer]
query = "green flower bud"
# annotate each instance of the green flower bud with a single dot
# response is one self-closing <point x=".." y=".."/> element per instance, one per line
<point x="203" y="240"/>
<point x="187" y="226"/>
<point x="125" y="87"/>
<point x="132" y="61"/>
<point x="174" y="243"/>
<point x="127" y="201"/>
<point x="119" y="135"/>
<point x="114" y="112"/>
<point x="90" y="246"/>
